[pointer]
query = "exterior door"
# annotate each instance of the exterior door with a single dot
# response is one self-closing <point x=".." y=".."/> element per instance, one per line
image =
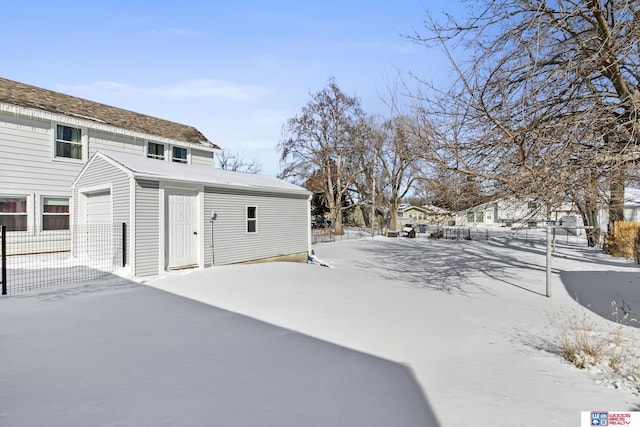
<point x="181" y="228"/>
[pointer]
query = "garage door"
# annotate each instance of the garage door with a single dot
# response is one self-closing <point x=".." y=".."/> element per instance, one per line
<point x="99" y="208"/>
<point x="99" y="243"/>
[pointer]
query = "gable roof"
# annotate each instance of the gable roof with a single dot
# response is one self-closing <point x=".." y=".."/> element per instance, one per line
<point x="405" y="208"/>
<point x="27" y="96"/>
<point x="157" y="170"/>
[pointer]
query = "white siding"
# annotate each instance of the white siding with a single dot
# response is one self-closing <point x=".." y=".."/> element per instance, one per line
<point x="27" y="162"/>
<point x="146" y="228"/>
<point x="104" y="141"/>
<point x="102" y="172"/>
<point x="283" y="227"/>
<point x="199" y="157"/>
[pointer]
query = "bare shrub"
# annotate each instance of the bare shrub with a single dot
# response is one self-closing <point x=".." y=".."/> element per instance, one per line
<point x="609" y="353"/>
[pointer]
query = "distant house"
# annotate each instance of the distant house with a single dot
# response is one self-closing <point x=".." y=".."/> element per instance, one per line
<point x="511" y="212"/>
<point x="47" y="137"/>
<point x="191" y="216"/>
<point x="631" y="208"/>
<point x="417" y="214"/>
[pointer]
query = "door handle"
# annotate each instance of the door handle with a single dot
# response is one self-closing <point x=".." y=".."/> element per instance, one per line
<point x="195" y="232"/>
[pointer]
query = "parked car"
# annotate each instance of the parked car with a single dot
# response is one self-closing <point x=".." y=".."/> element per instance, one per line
<point x="321" y="222"/>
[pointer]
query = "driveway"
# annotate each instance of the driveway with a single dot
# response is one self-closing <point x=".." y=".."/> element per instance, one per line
<point x="115" y="353"/>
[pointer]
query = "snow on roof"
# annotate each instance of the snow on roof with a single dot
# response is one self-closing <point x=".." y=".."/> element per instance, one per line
<point x="143" y="167"/>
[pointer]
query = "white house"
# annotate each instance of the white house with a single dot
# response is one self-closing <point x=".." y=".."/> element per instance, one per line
<point x="511" y="212"/>
<point x="193" y="216"/>
<point x="631" y="208"/>
<point x="47" y="137"/>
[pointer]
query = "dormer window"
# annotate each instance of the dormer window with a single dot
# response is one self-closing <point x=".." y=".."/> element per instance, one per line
<point x="179" y="155"/>
<point x="68" y="142"/>
<point x="155" y="151"/>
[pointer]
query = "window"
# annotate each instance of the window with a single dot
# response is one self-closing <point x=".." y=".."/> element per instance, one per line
<point x="252" y="219"/>
<point x="55" y="213"/>
<point x="13" y="213"/>
<point x="155" y="151"/>
<point x="179" y="155"/>
<point x="532" y="205"/>
<point x="470" y="216"/>
<point x="479" y="216"/>
<point x="68" y="142"/>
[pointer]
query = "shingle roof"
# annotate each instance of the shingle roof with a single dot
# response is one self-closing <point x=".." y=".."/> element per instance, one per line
<point x="24" y="95"/>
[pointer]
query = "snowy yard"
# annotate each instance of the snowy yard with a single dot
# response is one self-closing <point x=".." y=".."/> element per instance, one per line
<point x="469" y="319"/>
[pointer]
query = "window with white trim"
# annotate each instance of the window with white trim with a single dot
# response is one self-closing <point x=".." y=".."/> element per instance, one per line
<point x="55" y="213"/>
<point x="13" y="213"/>
<point x="155" y="151"/>
<point x="179" y="155"/>
<point x="68" y="142"/>
<point x="252" y="219"/>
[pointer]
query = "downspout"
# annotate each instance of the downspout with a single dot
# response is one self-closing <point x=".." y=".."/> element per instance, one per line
<point x="309" y="225"/>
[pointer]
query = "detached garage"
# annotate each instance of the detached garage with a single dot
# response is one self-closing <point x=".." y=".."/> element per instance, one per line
<point x="183" y="216"/>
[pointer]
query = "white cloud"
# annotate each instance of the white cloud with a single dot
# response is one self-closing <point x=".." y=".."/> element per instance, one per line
<point x="186" y="89"/>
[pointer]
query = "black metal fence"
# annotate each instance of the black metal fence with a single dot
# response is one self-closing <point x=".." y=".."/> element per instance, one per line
<point x="37" y="259"/>
<point x="505" y="234"/>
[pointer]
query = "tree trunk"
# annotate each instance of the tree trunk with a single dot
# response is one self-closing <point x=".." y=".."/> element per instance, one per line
<point x="337" y="226"/>
<point x="589" y="213"/>
<point x="616" y="201"/>
<point x="393" y="216"/>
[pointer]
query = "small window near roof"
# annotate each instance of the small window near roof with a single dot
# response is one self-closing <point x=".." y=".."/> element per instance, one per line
<point x="68" y="142"/>
<point x="179" y="155"/>
<point x="252" y="219"/>
<point x="155" y="151"/>
<point x="13" y="213"/>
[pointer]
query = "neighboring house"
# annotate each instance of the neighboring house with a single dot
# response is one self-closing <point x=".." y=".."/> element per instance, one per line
<point x="417" y="214"/>
<point x="632" y="204"/>
<point x="425" y="214"/>
<point x="191" y="216"/>
<point x="631" y="209"/>
<point x="436" y="215"/>
<point x="47" y="137"/>
<point x="504" y="212"/>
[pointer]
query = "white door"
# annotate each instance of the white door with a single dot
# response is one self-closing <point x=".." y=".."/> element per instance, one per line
<point x="99" y="245"/>
<point x="181" y="228"/>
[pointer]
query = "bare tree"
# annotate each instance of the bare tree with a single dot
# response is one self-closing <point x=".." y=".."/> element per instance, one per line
<point x="394" y="147"/>
<point x="325" y="138"/>
<point x="236" y="162"/>
<point x="451" y="190"/>
<point x="550" y="89"/>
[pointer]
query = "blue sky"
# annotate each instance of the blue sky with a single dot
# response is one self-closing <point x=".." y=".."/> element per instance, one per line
<point x="236" y="70"/>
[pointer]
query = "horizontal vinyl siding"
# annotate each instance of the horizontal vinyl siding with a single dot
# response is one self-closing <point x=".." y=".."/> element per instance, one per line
<point x="147" y="215"/>
<point x="99" y="173"/>
<point x="27" y="164"/>
<point x="104" y="141"/>
<point x="201" y="158"/>
<point x="283" y="227"/>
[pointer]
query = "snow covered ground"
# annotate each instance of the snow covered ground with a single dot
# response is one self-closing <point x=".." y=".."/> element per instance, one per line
<point x="469" y="318"/>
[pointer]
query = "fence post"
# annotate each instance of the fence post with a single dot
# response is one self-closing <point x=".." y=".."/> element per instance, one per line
<point x="124" y="244"/>
<point x="3" y="255"/>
